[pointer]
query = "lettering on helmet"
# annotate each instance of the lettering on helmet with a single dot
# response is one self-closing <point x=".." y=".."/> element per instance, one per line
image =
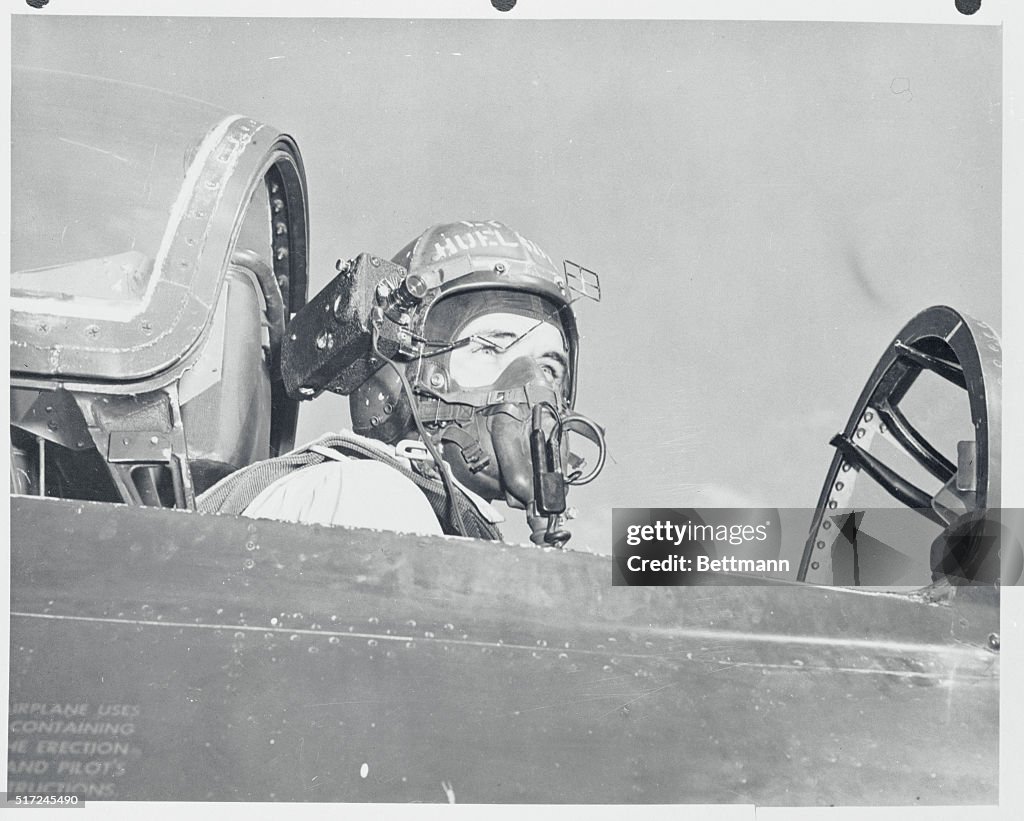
<point x="535" y="249"/>
<point x="484" y="236"/>
<point x="444" y="251"/>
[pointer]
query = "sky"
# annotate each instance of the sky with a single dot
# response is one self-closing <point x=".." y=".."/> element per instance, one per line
<point x="766" y="203"/>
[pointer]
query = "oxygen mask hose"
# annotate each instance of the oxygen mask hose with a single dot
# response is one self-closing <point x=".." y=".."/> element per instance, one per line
<point x="545" y="516"/>
<point x="547" y="531"/>
<point x="446" y="480"/>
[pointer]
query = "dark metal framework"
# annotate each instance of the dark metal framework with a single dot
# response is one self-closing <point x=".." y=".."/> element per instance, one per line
<point x="964" y="352"/>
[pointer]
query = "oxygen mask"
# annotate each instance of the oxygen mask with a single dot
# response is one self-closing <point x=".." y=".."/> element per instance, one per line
<point x="514" y="445"/>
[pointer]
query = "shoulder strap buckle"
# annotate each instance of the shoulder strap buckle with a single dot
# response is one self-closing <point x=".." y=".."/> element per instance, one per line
<point x="413" y="450"/>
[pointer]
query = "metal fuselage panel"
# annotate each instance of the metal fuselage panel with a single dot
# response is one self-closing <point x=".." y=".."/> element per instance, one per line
<point x="254" y="660"/>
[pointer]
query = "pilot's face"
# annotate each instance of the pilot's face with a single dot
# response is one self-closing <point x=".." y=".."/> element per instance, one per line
<point x="499" y="339"/>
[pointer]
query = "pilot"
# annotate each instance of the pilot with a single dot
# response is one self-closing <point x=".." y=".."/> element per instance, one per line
<point x="481" y="412"/>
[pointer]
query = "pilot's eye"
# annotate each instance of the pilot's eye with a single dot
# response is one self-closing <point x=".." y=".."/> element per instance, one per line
<point x="553" y="372"/>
